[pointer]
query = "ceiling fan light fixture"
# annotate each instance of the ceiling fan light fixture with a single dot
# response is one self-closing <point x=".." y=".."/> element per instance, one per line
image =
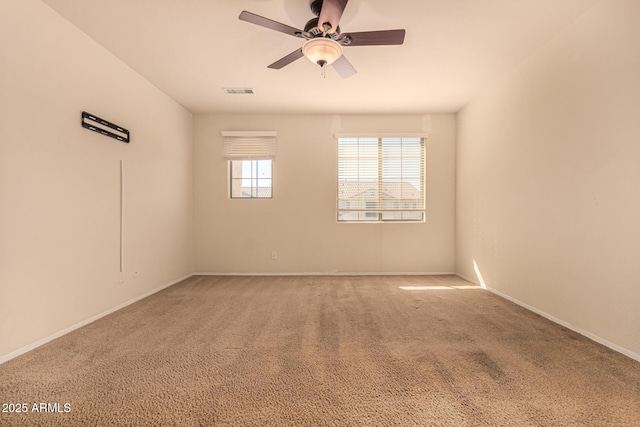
<point x="322" y="51"/>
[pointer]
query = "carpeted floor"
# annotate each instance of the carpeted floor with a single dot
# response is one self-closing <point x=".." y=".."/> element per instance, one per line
<point x="322" y="351"/>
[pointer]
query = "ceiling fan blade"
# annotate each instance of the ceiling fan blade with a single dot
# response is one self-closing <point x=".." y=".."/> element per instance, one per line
<point x="374" y="38"/>
<point x="280" y="63"/>
<point x="331" y="13"/>
<point x="344" y="67"/>
<point x="268" y="23"/>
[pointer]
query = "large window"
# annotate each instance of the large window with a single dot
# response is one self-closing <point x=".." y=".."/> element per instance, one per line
<point x="381" y="179"/>
<point x="251" y="179"/>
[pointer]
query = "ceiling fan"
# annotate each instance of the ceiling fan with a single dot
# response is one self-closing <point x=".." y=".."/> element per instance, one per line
<point x="324" y="40"/>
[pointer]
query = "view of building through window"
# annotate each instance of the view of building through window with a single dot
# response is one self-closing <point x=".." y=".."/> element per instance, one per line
<point x="251" y="179"/>
<point x="381" y="179"/>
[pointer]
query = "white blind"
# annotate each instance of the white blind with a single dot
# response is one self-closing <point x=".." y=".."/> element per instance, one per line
<point x="249" y="145"/>
<point x="381" y="178"/>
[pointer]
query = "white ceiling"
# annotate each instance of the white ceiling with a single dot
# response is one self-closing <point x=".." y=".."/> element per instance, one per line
<point x="191" y="49"/>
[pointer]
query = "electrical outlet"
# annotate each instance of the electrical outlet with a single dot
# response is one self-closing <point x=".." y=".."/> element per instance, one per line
<point x="274" y="255"/>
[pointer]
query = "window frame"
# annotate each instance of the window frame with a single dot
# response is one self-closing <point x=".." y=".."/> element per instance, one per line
<point x="249" y="146"/>
<point x="364" y="216"/>
<point x="251" y="179"/>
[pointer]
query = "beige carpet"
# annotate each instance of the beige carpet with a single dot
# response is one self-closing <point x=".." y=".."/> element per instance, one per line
<point x="323" y="351"/>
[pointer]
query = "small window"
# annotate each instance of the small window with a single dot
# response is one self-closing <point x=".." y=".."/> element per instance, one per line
<point x="381" y="179"/>
<point x="251" y="179"/>
<point x="250" y="155"/>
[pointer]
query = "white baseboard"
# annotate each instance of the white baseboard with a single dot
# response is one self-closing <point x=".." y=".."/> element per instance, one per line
<point x="468" y="279"/>
<point x="325" y="273"/>
<point x="560" y="322"/>
<point x="29" y="347"/>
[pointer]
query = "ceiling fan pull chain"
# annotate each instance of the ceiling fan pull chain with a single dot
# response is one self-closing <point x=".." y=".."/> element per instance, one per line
<point x="322" y="63"/>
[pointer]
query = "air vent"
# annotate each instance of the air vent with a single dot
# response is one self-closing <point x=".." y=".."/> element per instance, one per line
<point x="238" y="91"/>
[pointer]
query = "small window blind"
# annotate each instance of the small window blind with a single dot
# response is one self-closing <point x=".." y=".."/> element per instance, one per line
<point x="249" y="145"/>
<point x="381" y="178"/>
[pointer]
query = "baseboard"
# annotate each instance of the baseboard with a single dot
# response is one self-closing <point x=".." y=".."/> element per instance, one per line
<point x="469" y="279"/>
<point x="326" y="273"/>
<point x="29" y="347"/>
<point x="560" y="322"/>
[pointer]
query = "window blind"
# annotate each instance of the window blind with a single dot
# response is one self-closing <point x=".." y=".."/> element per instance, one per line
<point x="381" y="178"/>
<point x="249" y="145"/>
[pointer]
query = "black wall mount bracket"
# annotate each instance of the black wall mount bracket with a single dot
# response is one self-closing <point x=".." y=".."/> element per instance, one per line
<point x="104" y="127"/>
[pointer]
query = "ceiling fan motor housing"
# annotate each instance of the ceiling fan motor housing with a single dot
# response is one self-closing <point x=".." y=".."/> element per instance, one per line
<point x="312" y="29"/>
<point x="312" y="26"/>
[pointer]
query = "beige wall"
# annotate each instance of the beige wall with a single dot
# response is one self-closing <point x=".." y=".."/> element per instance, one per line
<point x="547" y="184"/>
<point x="59" y="183"/>
<point x="548" y="179"/>
<point x="299" y="223"/>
